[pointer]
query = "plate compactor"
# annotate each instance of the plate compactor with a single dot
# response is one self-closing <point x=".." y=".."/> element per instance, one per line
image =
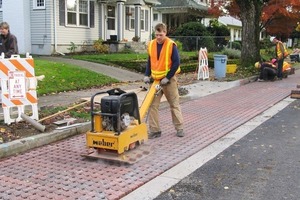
<point x="117" y="131"/>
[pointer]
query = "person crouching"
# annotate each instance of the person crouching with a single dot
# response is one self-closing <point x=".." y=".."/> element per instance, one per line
<point x="268" y="71"/>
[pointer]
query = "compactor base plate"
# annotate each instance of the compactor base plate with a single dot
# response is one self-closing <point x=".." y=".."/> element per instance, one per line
<point x="129" y="157"/>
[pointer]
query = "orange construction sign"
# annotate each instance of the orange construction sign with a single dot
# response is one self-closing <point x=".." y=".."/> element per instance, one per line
<point x="16" y="74"/>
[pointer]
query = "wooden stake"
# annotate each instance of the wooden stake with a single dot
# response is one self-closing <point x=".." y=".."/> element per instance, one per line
<point x="55" y="114"/>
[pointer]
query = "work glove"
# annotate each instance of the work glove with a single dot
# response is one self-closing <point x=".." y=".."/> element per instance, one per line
<point x="164" y="81"/>
<point x="147" y="79"/>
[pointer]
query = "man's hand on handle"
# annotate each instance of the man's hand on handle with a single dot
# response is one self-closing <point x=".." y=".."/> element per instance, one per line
<point x="147" y="79"/>
<point x="164" y="81"/>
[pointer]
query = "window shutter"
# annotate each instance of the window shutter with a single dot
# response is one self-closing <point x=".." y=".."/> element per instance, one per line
<point x="127" y="10"/>
<point x="92" y="14"/>
<point x="62" y="10"/>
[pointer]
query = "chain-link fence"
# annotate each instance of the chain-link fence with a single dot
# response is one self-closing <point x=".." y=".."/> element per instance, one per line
<point x="212" y="43"/>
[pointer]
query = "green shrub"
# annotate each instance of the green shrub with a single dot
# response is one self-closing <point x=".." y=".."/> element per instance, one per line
<point x="133" y="65"/>
<point x="219" y="31"/>
<point x="208" y="42"/>
<point x="235" y="45"/>
<point x="189" y="33"/>
<point x="232" y="53"/>
<point x="179" y="45"/>
<point x="100" y="47"/>
<point x="72" y="47"/>
<point x="188" y="67"/>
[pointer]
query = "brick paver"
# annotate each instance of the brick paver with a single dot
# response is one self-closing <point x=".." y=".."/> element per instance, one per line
<point x="57" y="171"/>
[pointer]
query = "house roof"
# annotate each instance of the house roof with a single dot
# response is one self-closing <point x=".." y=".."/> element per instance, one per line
<point x="229" y="20"/>
<point x="171" y="4"/>
<point x="155" y="2"/>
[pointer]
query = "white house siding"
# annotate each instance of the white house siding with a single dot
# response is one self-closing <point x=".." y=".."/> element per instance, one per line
<point x="128" y="35"/>
<point x="42" y="29"/>
<point x="78" y="35"/>
<point x="234" y="25"/>
<point x="145" y="35"/>
<point x="36" y="32"/>
<point x="17" y="14"/>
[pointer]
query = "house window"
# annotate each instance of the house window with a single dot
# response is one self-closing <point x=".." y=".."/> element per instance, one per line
<point x="111" y="18"/>
<point x="78" y="12"/>
<point x="0" y="4"/>
<point x="143" y="20"/>
<point x="132" y="18"/>
<point x="129" y="18"/>
<point x="127" y="14"/>
<point x="83" y="13"/>
<point x="39" y="4"/>
<point x="155" y="17"/>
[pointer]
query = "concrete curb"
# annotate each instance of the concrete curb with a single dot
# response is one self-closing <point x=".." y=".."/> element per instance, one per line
<point x="25" y="144"/>
<point x="248" y="80"/>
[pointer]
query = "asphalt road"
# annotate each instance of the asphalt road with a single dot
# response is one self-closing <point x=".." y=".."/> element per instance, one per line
<point x="264" y="165"/>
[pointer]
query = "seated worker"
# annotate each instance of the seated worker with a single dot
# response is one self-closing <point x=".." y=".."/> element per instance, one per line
<point x="286" y="68"/>
<point x="268" y="71"/>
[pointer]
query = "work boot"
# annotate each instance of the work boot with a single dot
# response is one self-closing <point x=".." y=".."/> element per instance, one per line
<point x="153" y="135"/>
<point x="180" y="133"/>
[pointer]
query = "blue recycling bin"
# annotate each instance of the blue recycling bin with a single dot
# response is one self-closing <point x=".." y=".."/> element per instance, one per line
<point x="220" y="62"/>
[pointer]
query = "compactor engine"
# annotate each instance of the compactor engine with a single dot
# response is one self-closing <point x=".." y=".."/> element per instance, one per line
<point x="119" y="111"/>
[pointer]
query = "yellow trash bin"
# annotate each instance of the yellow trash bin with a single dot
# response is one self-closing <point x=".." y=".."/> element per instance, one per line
<point x="231" y="68"/>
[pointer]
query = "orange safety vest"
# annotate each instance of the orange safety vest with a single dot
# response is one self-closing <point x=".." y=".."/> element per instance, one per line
<point x="160" y="67"/>
<point x="286" y="66"/>
<point x="281" y="51"/>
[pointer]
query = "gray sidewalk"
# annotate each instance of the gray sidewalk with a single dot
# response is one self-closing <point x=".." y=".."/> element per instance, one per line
<point x="130" y="80"/>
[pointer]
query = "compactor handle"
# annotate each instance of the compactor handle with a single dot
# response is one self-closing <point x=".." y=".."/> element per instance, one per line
<point x="148" y="99"/>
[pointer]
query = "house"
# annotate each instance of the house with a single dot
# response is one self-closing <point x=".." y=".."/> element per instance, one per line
<point x="234" y="25"/>
<point x="46" y="27"/>
<point x="176" y="12"/>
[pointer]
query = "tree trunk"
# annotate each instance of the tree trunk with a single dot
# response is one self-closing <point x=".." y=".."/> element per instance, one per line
<point x="250" y="17"/>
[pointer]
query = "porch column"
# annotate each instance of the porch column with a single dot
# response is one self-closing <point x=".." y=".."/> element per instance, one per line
<point x="120" y="21"/>
<point x="137" y="20"/>
<point x="232" y="34"/>
<point x="102" y="22"/>
<point x="150" y="23"/>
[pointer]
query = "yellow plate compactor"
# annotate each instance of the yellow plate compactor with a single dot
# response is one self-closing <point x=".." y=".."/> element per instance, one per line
<point x="117" y="131"/>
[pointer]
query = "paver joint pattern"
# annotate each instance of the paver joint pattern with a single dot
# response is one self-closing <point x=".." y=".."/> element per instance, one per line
<point x="57" y="171"/>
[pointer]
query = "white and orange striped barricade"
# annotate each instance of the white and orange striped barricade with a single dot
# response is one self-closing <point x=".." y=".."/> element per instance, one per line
<point x="18" y="84"/>
<point x="203" y="70"/>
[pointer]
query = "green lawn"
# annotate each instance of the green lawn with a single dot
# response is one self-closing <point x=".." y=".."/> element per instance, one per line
<point x="109" y="58"/>
<point x="60" y="77"/>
